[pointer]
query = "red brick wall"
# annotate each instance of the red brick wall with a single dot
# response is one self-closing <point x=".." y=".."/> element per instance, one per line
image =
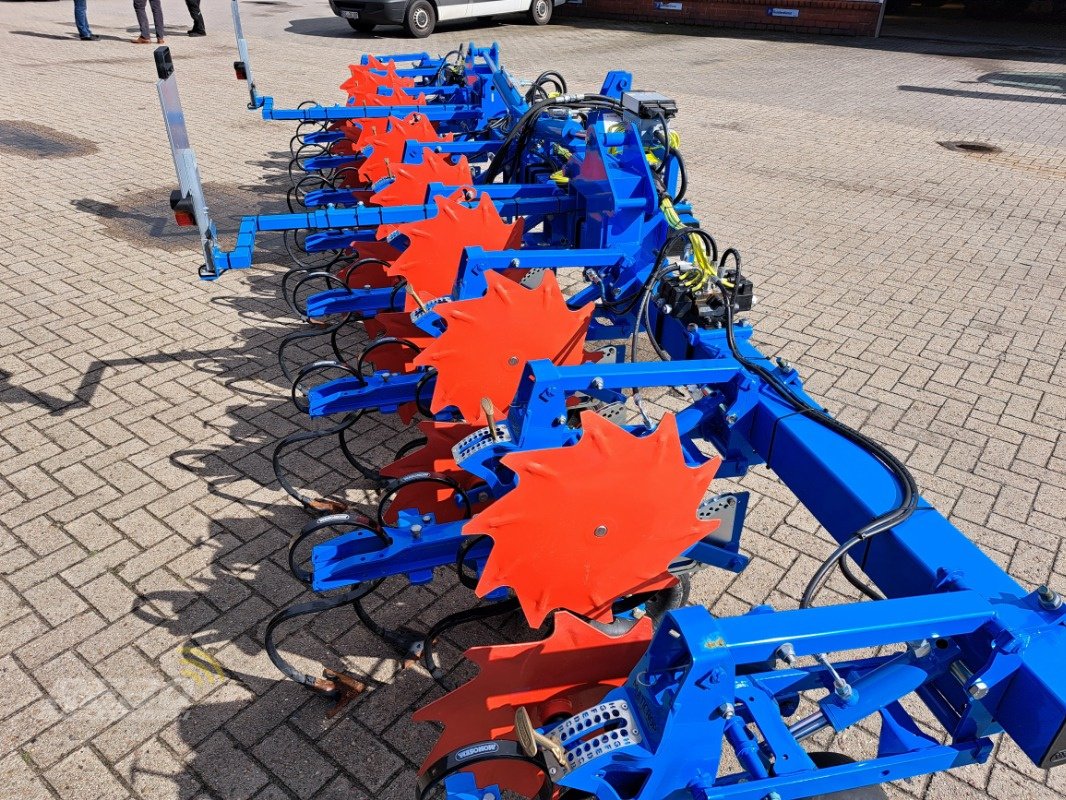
<point x="852" y="17"/>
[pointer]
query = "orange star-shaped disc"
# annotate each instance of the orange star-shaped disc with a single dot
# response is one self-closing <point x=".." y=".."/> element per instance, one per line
<point x="590" y="523"/>
<point x="387" y="146"/>
<point x="361" y="132"/>
<point x="366" y="78"/>
<point x="435" y="245"/>
<point x="410" y="181"/>
<point x="489" y="339"/>
<point x="566" y="673"/>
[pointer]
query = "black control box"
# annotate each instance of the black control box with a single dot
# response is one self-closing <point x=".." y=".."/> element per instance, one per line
<point x="649" y="105"/>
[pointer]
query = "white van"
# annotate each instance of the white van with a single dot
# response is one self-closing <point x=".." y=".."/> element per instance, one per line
<point x="420" y="17"/>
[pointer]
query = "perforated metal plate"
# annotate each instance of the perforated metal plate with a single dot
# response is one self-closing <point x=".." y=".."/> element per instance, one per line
<point x="479" y="440"/>
<point x="722" y="507"/>
<point x="595" y="731"/>
<point x="418" y="313"/>
<point x="532" y="279"/>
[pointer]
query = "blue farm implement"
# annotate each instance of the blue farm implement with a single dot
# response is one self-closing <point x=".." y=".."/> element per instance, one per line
<point x="463" y="104"/>
<point x="523" y="298"/>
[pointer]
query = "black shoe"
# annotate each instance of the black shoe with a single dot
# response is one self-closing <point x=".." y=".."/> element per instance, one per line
<point x="92" y="37"/>
<point x="197" y="32"/>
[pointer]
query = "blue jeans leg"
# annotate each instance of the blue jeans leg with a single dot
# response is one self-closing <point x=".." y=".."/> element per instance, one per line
<point x="81" y="18"/>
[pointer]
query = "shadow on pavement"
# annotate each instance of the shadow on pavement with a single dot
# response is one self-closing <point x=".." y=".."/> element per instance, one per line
<point x="238" y="725"/>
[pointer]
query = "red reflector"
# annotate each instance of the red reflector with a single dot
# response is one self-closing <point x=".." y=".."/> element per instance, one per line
<point x="242" y="72"/>
<point x="184" y="219"/>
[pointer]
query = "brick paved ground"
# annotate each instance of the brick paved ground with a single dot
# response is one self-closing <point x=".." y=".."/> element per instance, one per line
<point x="920" y="290"/>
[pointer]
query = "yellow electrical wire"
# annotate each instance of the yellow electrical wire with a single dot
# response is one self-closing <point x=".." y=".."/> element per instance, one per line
<point x="707" y="271"/>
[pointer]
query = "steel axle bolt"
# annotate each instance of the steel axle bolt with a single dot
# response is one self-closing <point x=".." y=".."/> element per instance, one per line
<point x="978" y="690"/>
<point x="600" y="531"/>
<point x="416" y="531"/>
<point x="842" y="688"/>
<point x="597" y="383"/>
<point x="1049" y="599"/>
<point x="561" y="419"/>
<point x="773" y="796"/>
<point x="513" y="360"/>
<point x="731" y="419"/>
<point x="787" y="653"/>
<point x="727" y="710"/>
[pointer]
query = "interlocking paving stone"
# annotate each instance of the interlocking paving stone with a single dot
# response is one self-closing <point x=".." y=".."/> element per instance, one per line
<point x="919" y="291"/>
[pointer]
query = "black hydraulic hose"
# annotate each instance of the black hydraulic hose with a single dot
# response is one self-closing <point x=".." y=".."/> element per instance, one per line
<point x="859" y="583"/>
<point x="525" y="123"/>
<point x="549" y="76"/>
<point x="879" y="524"/>
<point x="682" y="172"/>
<point x="664" y="166"/>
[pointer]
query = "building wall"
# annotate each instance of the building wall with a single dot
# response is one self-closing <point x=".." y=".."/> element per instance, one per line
<point x="848" y="17"/>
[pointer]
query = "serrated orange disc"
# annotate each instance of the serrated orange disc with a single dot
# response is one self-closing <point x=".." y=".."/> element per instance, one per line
<point x="566" y="673"/>
<point x="431" y="260"/>
<point x="366" y="78"/>
<point x="434" y="456"/>
<point x="489" y="339"/>
<point x="410" y="181"/>
<point x="593" y="522"/>
<point x="361" y="132"/>
<point x="387" y="146"/>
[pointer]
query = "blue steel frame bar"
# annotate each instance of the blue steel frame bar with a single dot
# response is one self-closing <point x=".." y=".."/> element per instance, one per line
<point x="511" y="200"/>
<point x="484" y="62"/>
<point x="1019" y="652"/>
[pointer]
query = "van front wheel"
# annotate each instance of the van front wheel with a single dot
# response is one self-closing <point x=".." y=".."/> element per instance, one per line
<point x="540" y="12"/>
<point x="421" y="19"/>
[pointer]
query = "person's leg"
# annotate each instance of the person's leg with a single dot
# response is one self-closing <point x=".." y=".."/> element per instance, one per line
<point x="142" y="17"/>
<point x="197" y="18"/>
<point x="157" y="17"/>
<point x="81" y="19"/>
